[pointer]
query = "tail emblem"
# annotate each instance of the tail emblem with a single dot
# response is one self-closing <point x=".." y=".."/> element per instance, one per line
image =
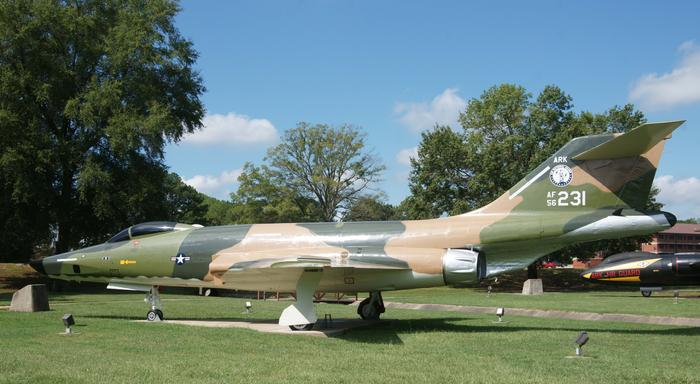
<point x="561" y="175"/>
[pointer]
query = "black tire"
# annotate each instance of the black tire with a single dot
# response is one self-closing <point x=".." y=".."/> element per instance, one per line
<point x="156" y="315"/>
<point x="646" y="293"/>
<point x="368" y="311"/>
<point x="302" y="327"/>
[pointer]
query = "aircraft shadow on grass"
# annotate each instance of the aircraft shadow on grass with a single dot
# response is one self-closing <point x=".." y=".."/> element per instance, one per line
<point x="6" y="296"/>
<point x="389" y="331"/>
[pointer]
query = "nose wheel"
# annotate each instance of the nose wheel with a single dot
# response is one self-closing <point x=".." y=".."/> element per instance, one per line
<point x="154" y="315"/>
<point x="153" y="298"/>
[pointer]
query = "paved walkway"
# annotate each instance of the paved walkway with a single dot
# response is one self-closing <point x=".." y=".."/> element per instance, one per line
<point x="554" y="314"/>
<point x="335" y="328"/>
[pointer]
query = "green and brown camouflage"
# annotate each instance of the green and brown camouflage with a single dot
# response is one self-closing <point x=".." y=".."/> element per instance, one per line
<point x="593" y="188"/>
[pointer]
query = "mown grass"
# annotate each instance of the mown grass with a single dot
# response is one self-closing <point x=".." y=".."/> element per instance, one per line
<point x="407" y="347"/>
<point x="617" y="301"/>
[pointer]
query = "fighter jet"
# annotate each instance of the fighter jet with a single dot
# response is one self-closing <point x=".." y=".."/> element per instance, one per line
<point x="593" y="188"/>
<point x="650" y="271"/>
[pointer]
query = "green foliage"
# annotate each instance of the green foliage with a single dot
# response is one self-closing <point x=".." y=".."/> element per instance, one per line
<point x="261" y="199"/>
<point x="219" y="212"/>
<point x="183" y="203"/>
<point x="369" y="208"/>
<point x="92" y="91"/>
<point x="327" y="165"/>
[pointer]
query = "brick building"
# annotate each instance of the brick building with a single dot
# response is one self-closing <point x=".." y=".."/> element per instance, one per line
<point x="680" y="238"/>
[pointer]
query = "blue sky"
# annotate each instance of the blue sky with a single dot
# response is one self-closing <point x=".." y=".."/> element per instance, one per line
<point x="395" y="68"/>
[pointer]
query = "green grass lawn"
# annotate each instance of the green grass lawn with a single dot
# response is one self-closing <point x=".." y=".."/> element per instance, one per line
<point x="408" y="346"/>
<point x="618" y="301"/>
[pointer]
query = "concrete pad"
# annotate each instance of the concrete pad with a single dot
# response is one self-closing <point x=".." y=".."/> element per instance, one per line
<point x="31" y="298"/>
<point x="533" y="287"/>
<point x="336" y="328"/>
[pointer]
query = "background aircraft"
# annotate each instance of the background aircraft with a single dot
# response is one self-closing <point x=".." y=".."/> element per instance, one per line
<point x="650" y="271"/>
<point x="592" y="188"/>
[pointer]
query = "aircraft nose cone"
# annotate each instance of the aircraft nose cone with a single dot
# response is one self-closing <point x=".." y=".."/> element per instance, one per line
<point x="38" y="266"/>
<point x="586" y="275"/>
<point x="671" y="218"/>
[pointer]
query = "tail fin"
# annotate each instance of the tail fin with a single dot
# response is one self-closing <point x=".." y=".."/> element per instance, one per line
<point x="592" y="172"/>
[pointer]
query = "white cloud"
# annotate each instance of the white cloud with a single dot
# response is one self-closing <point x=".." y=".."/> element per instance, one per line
<point x="217" y="186"/>
<point x="678" y="87"/>
<point x="233" y="129"/>
<point x="404" y="156"/>
<point x="680" y="196"/>
<point x="444" y="109"/>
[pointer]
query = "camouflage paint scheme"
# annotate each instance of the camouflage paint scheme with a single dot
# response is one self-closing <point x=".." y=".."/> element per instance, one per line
<point x="592" y="188"/>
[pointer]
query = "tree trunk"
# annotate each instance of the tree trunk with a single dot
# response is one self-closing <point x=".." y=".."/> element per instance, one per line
<point x="532" y="271"/>
<point x="64" y="209"/>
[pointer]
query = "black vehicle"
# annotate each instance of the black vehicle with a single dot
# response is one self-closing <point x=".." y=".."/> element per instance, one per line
<point x="650" y="271"/>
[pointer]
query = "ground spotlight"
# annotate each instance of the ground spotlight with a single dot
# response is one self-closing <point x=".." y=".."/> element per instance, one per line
<point x="69" y="322"/>
<point x="500" y="312"/>
<point x="581" y="340"/>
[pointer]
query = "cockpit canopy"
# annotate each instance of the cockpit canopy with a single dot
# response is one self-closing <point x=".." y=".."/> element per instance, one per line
<point x="143" y="229"/>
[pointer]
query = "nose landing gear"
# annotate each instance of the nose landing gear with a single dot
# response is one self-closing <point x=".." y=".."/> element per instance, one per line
<point x="153" y="298"/>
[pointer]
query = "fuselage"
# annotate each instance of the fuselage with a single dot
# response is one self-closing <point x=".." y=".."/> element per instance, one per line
<point x="647" y="269"/>
<point x="355" y="256"/>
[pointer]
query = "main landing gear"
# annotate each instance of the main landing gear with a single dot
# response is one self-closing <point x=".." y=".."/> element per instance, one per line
<point x="372" y="307"/>
<point x="301" y="316"/>
<point x="153" y="298"/>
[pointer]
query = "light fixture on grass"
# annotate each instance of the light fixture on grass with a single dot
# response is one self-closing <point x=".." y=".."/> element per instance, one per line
<point x="581" y="340"/>
<point x="69" y="322"/>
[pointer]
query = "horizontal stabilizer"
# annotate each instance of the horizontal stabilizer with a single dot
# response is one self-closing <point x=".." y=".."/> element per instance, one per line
<point x="633" y="143"/>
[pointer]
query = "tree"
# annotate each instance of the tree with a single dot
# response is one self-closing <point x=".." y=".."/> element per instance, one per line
<point x="219" y="212"/>
<point x="183" y="203"/>
<point x="92" y="91"/>
<point x="440" y="175"/>
<point x="369" y="208"/>
<point x="261" y="199"/>
<point x="329" y="165"/>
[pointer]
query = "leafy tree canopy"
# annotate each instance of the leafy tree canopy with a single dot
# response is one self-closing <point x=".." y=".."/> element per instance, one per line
<point x="92" y="91"/>
<point x="328" y="165"/>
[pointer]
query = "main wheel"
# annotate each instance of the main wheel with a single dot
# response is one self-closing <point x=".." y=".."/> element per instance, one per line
<point x="154" y="315"/>
<point x="301" y="327"/>
<point x="367" y="311"/>
<point x="646" y="293"/>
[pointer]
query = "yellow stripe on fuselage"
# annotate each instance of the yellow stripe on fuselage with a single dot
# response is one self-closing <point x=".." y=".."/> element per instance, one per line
<point x="625" y="279"/>
<point x="631" y="265"/>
